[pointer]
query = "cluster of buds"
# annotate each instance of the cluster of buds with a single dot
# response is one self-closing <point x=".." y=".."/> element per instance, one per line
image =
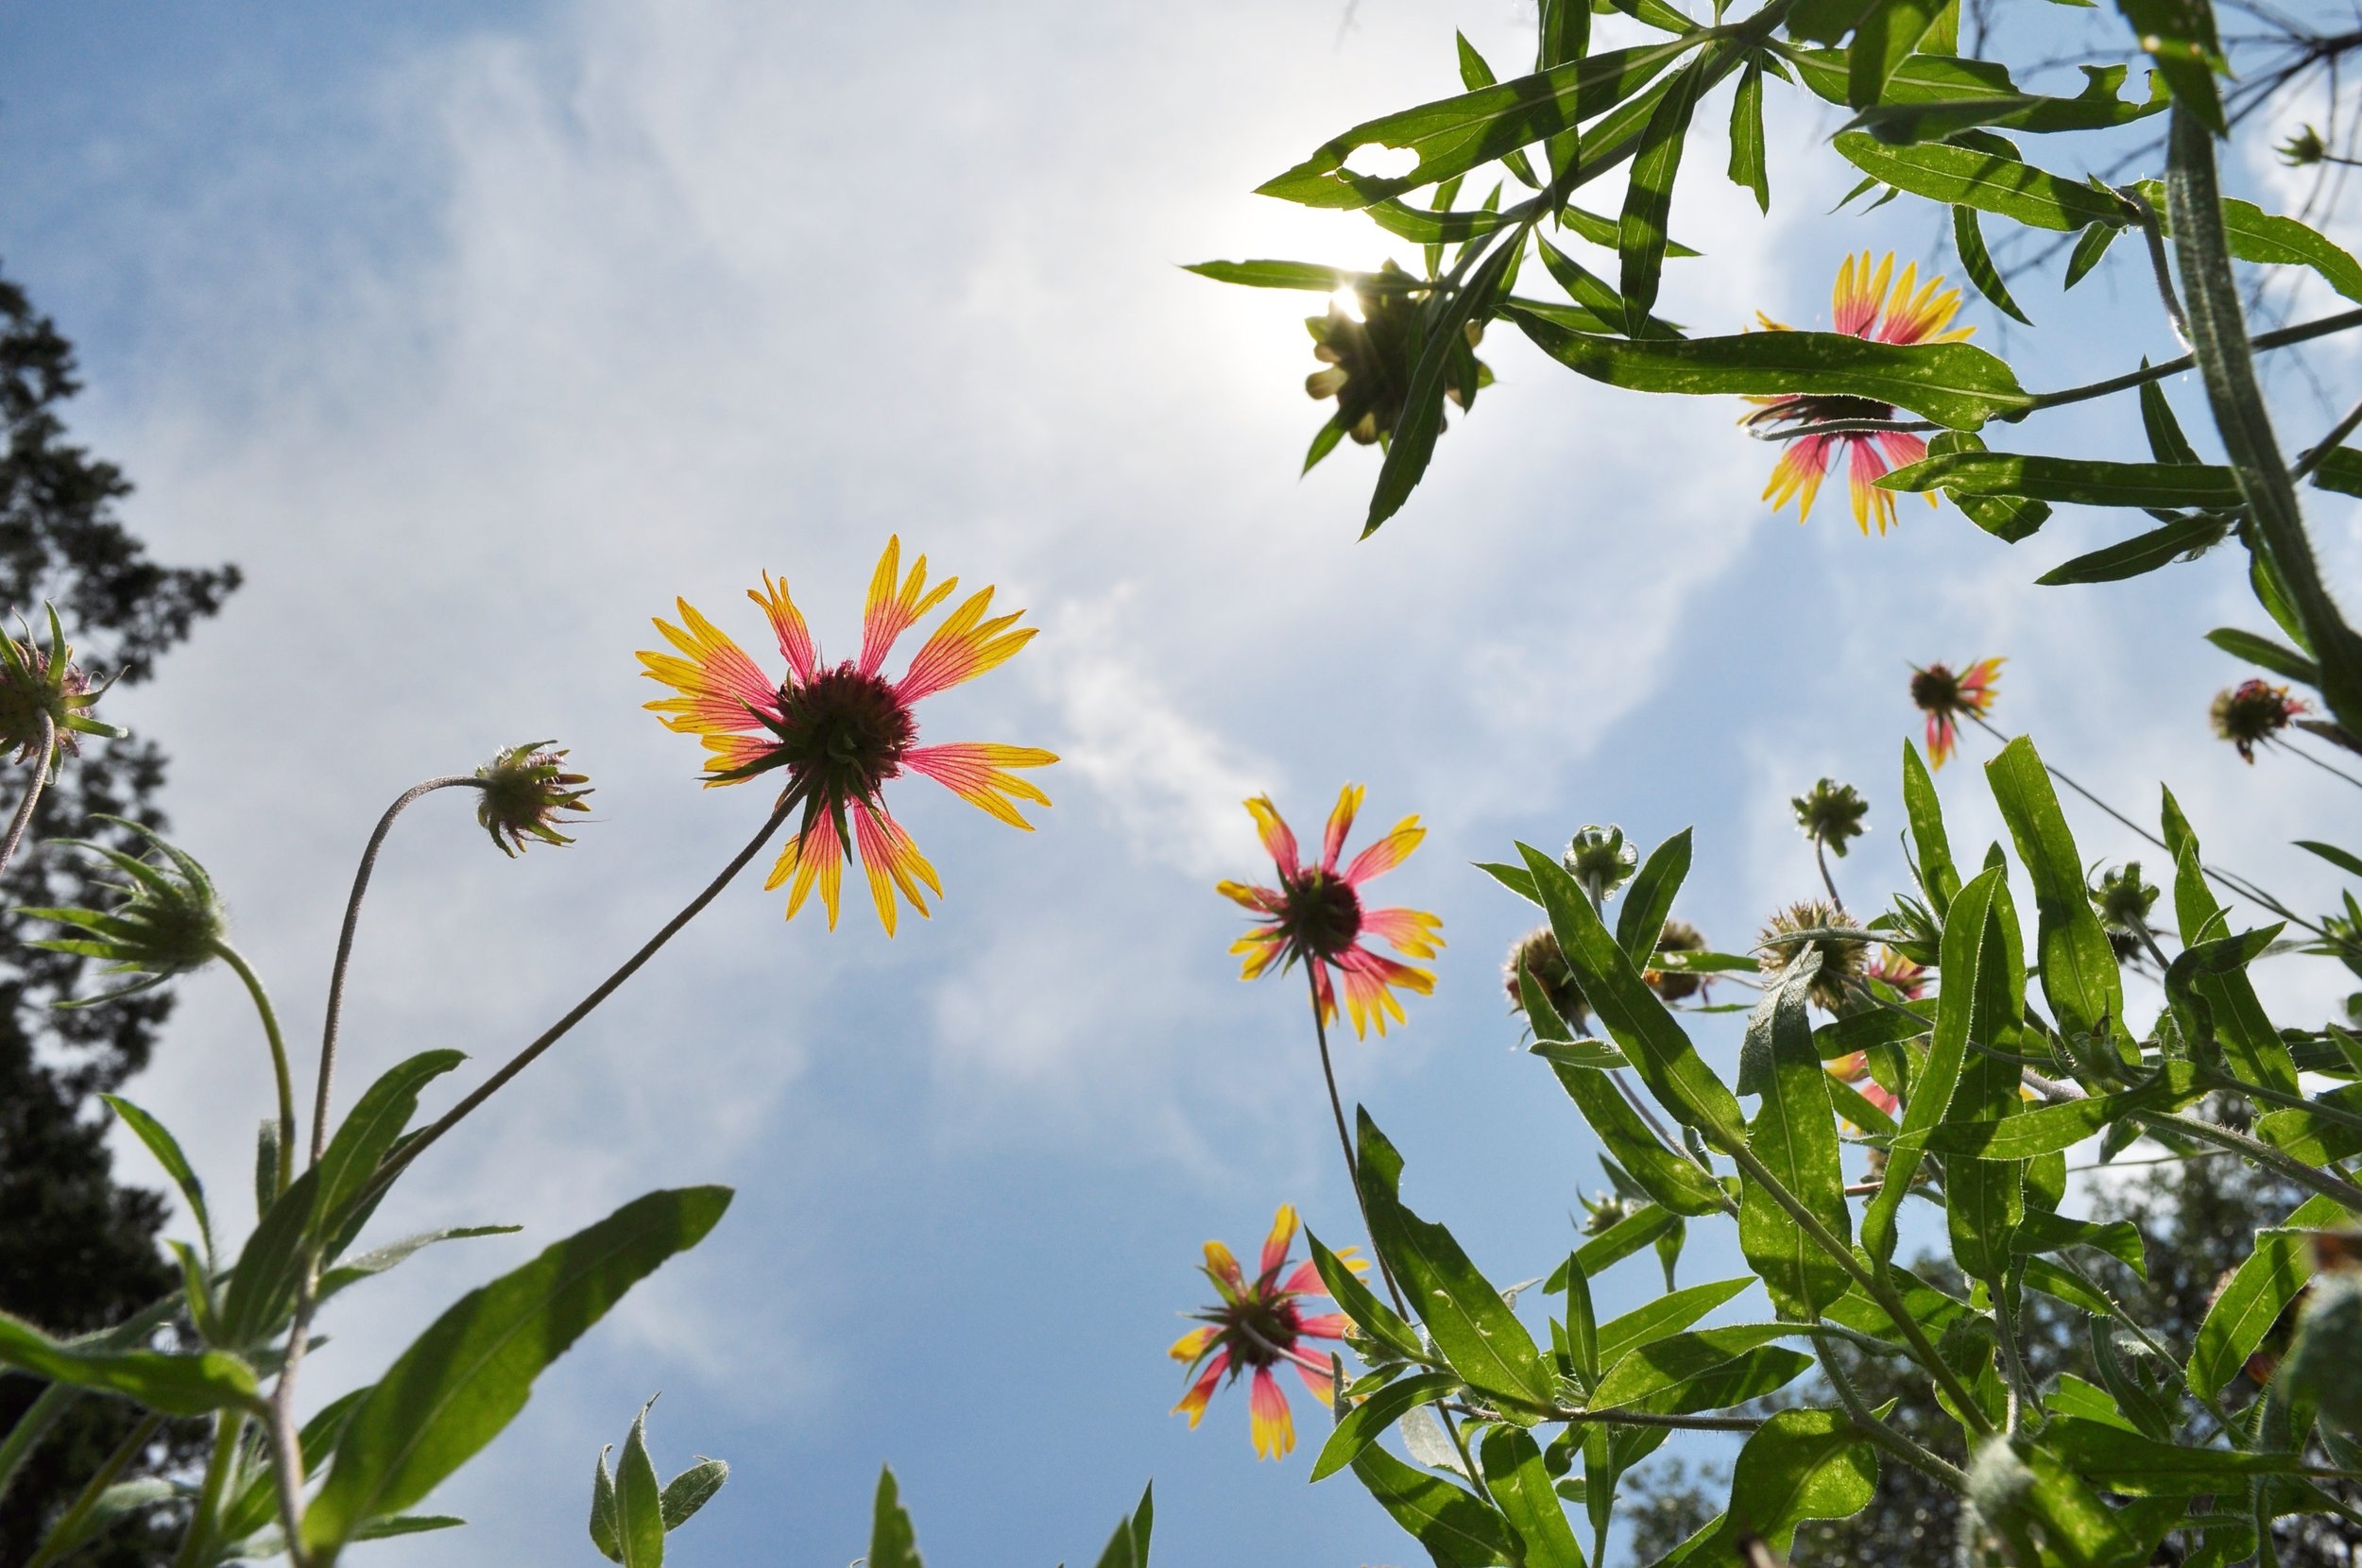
<point x="521" y="792"/>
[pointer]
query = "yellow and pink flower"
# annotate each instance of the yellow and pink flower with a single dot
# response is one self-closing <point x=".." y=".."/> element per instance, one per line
<point x="1257" y="1326"/>
<point x="842" y="732"/>
<point x="1863" y="306"/>
<point x="1315" y="916"/>
<point x="1946" y="698"/>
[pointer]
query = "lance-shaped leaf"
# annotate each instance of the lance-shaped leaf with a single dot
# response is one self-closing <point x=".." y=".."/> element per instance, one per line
<point x="1597" y="308"/>
<point x="2126" y="1461"/>
<point x="1454" y="135"/>
<point x="1971" y="941"/>
<point x="2241" y="1027"/>
<point x="1798" y="1465"/>
<point x="173" y="1385"/>
<point x="2317" y="1138"/>
<point x="1888" y="33"/>
<point x="1668" y="1176"/>
<point x="1953" y="383"/>
<point x="692" y="1490"/>
<point x="1457" y="1530"/>
<point x="1649" y="193"/>
<point x="1471" y="1326"/>
<point x="2260" y="1291"/>
<point x="1128" y="1546"/>
<point x="1969" y="240"/>
<point x="1938" y="878"/>
<point x="1648" y="901"/>
<point x="1670" y="1360"/>
<point x="263" y="1285"/>
<point x="1368" y="1420"/>
<point x="1521" y="1488"/>
<point x="1313" y="276"/>
<point x="2184" y="538"/>
<point x="1619" y="1336"/>
<point x="1747" y="169"/>
<point x="2078" y="968"/>
<point x="1370" y="1315"/>
<point x="1985" y="1199"/>
<point x="603" y="1535"/>
<point x="2026" y="1134"/>
<point x="2180" y="36"/>
<point x="1648" y="1034"/>
<point x="1795" y="1137"/>
<point x="2044" y="1232"/>
<point x="2280" y="660"/>
<point x="893" y="1544"/>
<point x="2340" y="470"/>
<point x="2006" y="518"/>
<point x="378" y="1117"/>
<point x="1750" y="1374"/>
<point x="1446" y="320"/>
<point x="463" y="1380"/>
<point x="1931" y="95"/>
<point x="1649" y="1224"/>
<point x="2086" y="482"/>
<point x="1965" y="176"/>
<point x="166" y="1148"/>
<point x="637" y="1505"/>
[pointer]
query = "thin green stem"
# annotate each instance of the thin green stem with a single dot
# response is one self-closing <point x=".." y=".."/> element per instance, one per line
<point x="2305" y="332"/>
<point x="23" y="817"/>
<point x="229" y="1427"/>
<point x="334" y="1018"/>
<point x="278" y="1058"/>
<point x="2298" y="1171"/>
<point x="1821" y="859"/>
<point x="31" y="1428"/>
<point x="1879" y="1432"/>
<point x="397" y="1162"/>
<point x="69" y="1533"/>
<point x="1631" y="1417"/>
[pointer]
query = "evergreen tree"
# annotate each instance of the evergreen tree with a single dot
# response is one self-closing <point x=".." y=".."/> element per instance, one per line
<point x="77" y="1250"/>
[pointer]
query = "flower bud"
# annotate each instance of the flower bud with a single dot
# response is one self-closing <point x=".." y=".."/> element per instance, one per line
<point x="521" y="792"/>
<point x="171" y="919"/>
<point x="37" y="683"/>
<point x="1830" y="813"/>
<point x="2303" y="149"/>
<point x="1600" y="860"/>
<point x="2123" y="899"/>
<point x="1672" y="985"/>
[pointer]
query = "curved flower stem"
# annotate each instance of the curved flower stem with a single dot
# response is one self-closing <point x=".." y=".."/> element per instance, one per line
<point x="400" y="1161"/>
<point x="2145" y="217"/>
<point x="344" y="949"/>
<point x="2322" y="763"/>
<point x="23" y="817"/>
<point x="278" y="1058"/>
<point x="1821" y="858"/>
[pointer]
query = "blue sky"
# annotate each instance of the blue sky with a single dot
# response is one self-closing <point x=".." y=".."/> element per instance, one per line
<point x="474" y="334"/>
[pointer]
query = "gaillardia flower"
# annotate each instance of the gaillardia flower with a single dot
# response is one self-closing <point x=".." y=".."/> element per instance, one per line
<point x="2252" y="712"/>
<point x="841" y="732"/>
<point x="1315" y="916"/>
<point x="1912" y="313"/>
<point x="1257" y="1325"/>
<point x="520" y="793"/>
<point x="1946" y="698"/>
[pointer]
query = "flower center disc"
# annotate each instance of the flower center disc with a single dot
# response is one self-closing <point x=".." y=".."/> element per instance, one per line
<point x="844" y="732"/>
<point x="1324" y="913"/>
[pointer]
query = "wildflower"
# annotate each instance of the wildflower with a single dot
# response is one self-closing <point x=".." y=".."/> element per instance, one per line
<point x="2252" y="712"/>
<point x="1842" y="955"/>
<point x="1946" y="698"/>
<point x="1906" y="978"/>
<point x="2304" y="148"/>
<point x="170" y="919"/>
<point x="1672" y="985"/>
<point x="1367" y="345"/>
<point x="1605" y="1212"/>
<point x="1537" y="953"/>
<point x="1913" y="314"/>
<point x="1257" y="1325"/>
<point x="37" y="683"/>
<point x="842" y="732"/>
<point x="1855" y="1068"/>
<point x="1830" y="813"/>
<point x="1315" y="916"/>
<point x="1600" y="860"/>
<point x="522" y="791"/>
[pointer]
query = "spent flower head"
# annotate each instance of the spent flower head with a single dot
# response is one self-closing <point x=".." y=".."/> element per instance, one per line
<point x="1946" y="698"/>
<point x="1600" y="860"/>
<point x="521" y="791"/>
<point x="169" y="920"/>
<point x="2304" y="148"/>
<point x="2251" y="713"/>
<point x="1817" y="924"/>
<point x="1830" y="813"/>
<point x="37" y="683"/>
<point x="1672" y="985"/>
<point x="1315" y="916"/>
<point x="1537" y="953"/>
<point x="1256" y="1325"/>
<point x="1368" y="344"/>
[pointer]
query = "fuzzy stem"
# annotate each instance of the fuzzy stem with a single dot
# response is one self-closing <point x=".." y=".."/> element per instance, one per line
<point x="1880" y="1433"/>
<point x="1821" y="859"/>
<point x="344" y="950"/>
<point x="70" y="1521"/>
<point x="23" y="817"/>
<point x="278" y="1057"/>
<point x="229" y="1427"/>
<point x="2322" y="763"/>
<point x="2262" y="1153"/>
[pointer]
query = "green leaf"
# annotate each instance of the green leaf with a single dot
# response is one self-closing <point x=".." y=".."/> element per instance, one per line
<point x="2007" y="519"/>
<point x="1649" y="1034"/>
<point x="2180" y="36"/>
<point x="1368" y="1420"/>
<point x="1370" y="1315"/>
<point x="1311" y="276"/>
<point x="1794" y="1136"/>
<point x="2042" y="1274"/>
<point x="2246" y="1034"/>
<point x="1953" y="383"/>
<point x="263" y="1286"/>
<point x="1596" y="1055"/>
<point x="1521" y="1488"/>
<point x="1471" y="1326"/>
<point x="2340" y="470"/>
<point x="1649" y="1224"/>
<point x="638" y="1502"/>
<point x="1798" y="1465"/>
<point x="1649" y="902"/>
<point x="379" y="1116"/>
<point x="2181" y="540"/>
<point x="2255" y="235"/>
<point x="1649" y="194"/>
<point x="2044" y="1232"/>
<point x="173" y="1385"/>
<point x="1670" y="1360"/>
<point x="2312" y="1136"/>
<point x="2094" y="244"/>
<point x="1592" y="294"/>
<point x="2264" y="650"/>
<point x="1668" y="1177"/>
<point x="1128" y="1546"/>
<point x="2086" y="482"/>
<point x="1932" y="95"/>
<point x="469" y="1375"/>
<point x="603" y="1511"/>
<point x="1985" y="1199"/>
<point x="692" y="1490"/>
<point x="892" y="1542"/>
<point x="1747" y="169"/>
<point x="1619" y="1336"/>
<point x="1938" y="878"/>
<point x="1976" y="260"/>
<point x="2343" y="859"/>
<point x="1887" y="34"/>
<point x="1962" y="177"/>
<point x="1457" y="1530"/>
<point x="1475" y="73"/>
<point x="2126" y="1462"/>
<point x="2078" y="968"/>
<point x="1971" y="943"/>
<point x="2260" y="1291"/>
<point x="166" y="1148"/>
<point x="1454" y="135"/>
<point x="378" y="1259"/>
<point x="2050" y="1128"/>
<point x="2166" y="441"/>
<point x="2080" y="1530"/>
<point x="1748" y="1375"/>
<point x="1412" y="443"/>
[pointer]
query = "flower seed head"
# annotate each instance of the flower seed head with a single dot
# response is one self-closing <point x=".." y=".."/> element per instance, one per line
<point x="1843" y="956"/>
<point x="170" y="920"/>
<point x="2252" y="712"/>
<point x="521" y="792"/>
<point x="1830" y="813"/>
<point x="1672" y="985"/>
<point x="1600" y="860"/>
<point x="1537" y="953"/>
<point x="1367" y="353"/>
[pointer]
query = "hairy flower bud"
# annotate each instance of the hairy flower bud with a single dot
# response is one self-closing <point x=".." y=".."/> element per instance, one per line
<point x="37" y="683"/>
<point x="2303" y="149"/>
<point x="1600" y="860"/>
<point x="521" y="791"/>
<point x="2123" y="899"/>
<point x="1830" y="813"/>
<point x="171" y="919"/>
